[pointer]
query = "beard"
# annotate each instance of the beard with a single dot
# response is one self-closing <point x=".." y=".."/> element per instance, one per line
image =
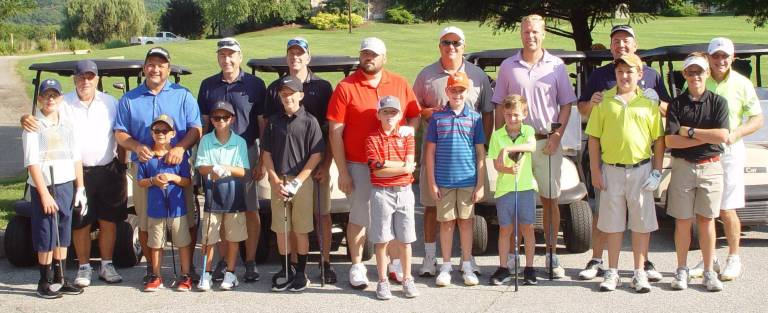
<point x="370" y="68"/>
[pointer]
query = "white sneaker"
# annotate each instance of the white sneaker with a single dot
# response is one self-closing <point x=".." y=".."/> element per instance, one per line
<point x="682" y="276"/>
<point x="470" y="279"/>
<point x="109" y="274"/>
<point x="698" y="270"/>
<point x="444" y="278"/>
<point x="428" y="266"/>
<point x="83" y="278"/>
<point x="230" y="281"/>
<point x="640" y="282"/>
<point x="205" y="282"/>
<point x="557" y="270"/>
<point x="732" y="268"/>
<point x="395" y="271"/>
<point x="358" y="276"/>
<point x="711" y="281"/>
<point x="591" y="270"/>
<point x="610" y="281"/>
<point x="475" y="267"/>
<point x="651" y="272"/>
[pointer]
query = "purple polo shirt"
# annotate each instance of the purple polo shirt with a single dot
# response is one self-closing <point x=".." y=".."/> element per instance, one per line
<point x="545" y="86"/>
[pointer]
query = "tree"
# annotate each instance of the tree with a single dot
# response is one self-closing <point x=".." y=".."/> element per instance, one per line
<point x="9" y="8"/>
<point x="104" y="20"/>
<point x="755" y="10"/>
<point x="183" y="17"/>
<point x="221" y="15"/>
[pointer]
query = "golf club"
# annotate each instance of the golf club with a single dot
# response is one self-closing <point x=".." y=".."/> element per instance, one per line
<point x="285" y="229"/>
<point x="168" y="232"/>
<point x="55" y="286"/>
<point x="516" y="157"/>
<point x="207" y="229"/>
<point x="551" y="246"/>
<point x="318" y="220"/>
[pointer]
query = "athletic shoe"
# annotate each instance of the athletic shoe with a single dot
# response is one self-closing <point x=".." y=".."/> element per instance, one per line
<point x="698" y="270"/>
<point x="44" y="290"/>
<point x="382" y="290"/>
<point x="651" y="272"/>
<point x="640" y="282"/>
<point x="470" y="279"/>
<point x="230" y="281"/>
<point x="330" y="273"/>
<point x="475" y="267"/>
<point x="444" y="278"/>
<point x="251" y="272"/>
<point x="592" y="270"/>
<point x="218" y="272"/>
<point x="358" y="276"/>
<point x="529" y="276"/>
<point x="610" y="281"/>
<point x="205" y="282"/>
<point x="185" y="284"/>
<point x="280" y="282"/>
<point x="711" y="281"/>
<point x="557" y="270"/>
<point x="69" y="289"/>
<point x="681" y="279"/>
<point x="300" y="282"/>
<point x="395" y="272"/>
<point x="409" y="288"/>
<point x="109" y="274"/>
<point x="732" y="268"/>
<point x="428" y="266"/>
<point x="153" y="284"/>
<point x="83" y="278"/>
<point x="148" y="275"/>
<point x="501" y="276"/>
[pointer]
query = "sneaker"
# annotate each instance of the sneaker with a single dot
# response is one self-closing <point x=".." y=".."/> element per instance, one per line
<point x="280" y="282"/>
<point x="557" y="270"/>
<point x="83" y="278"/>
<point x="194" y="275"/>
<point x="185" y="284"/>
<point x="330" y="273"/>
<point x="711" y="281"/>
<point x="428" y="266"/>
<point x="251" y="272"/>
<point x="70" y="289"/>
<point x="592" y="270"/>
<point x="219" y="270"/>
<point x="469" y="276"/>
<point x="109" y="274"/>
<point x="610" y="281"/>
<point x="382" y="291"/>
<point x="529" y="276"/>
<point x="640" y="282"/>
<point x="475" y="267"/>
<point x="444" y="278"/>
<point x="682" y="276"/>
<point x="409" y="288"/>
<point x="698" y="270"/>
<point x="651" y="272"/>
<point x="732" y="268"/>
<point x="395" y="272"/>
<point x="147" y="275"/>
<point x="205" y="282"/>
<point x="154" y="283"/>
<point x="358" y="276"/>
<point x="501" y="276"/>
<point x="44" y="290"/>
<point x="230" y="281"/>
<point x="300" y="282"/>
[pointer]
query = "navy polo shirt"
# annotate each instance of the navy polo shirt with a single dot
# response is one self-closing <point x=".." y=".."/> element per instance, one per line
<point x="709" y="112"/>
<point x="292" y="140"/>
<point x="317" y="93"/>
<point x="246" y="94"/>
<point x="604" y="78"/>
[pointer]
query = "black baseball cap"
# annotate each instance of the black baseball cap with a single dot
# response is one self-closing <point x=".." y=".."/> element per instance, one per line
<point x="86" y="66"/>
<point x="158" y="52"/>
<point x="293" y="83"/>
<point x="223" y="105"/>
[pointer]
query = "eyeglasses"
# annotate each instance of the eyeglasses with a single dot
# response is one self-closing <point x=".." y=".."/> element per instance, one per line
<point x="221" y="118"/>
<point x="161" y="131"/>
<point x="455" y="43"/>
<point x="49" y="95"/>
<point x="694" y="73"/>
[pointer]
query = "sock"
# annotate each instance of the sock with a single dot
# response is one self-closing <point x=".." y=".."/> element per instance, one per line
<point x="86" y="266"/>
<point x="58" y="276"/>
<point x="597" y="260"/>
<point x="302" y="263"/>
<point x="430" y="248"/>
<point x="639" y="271"/>
<point x="734" y="257"/>
<point x="45" y="272"/>
<point x="103" y="263"/>
<point x="466" y="265"/>
<point x="395" y="262"/>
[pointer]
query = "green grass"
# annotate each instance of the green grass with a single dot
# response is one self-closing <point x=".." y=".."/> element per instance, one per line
<point x="10" y="191"/>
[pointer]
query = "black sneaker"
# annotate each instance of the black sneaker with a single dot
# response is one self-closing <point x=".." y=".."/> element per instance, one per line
<point x="194" y="275"/>
<point x="69" y="289"/>
<point x="218" y="272"/>
<point x="330" y="273"/>
<point x="44" y="291"/>
<point x="147" y="275"/>
<point x="501" y="276"/>
<point x="529" y="276"/>
<point x="300" y="282"/>
<point x="280" y="282"/>
<point x="251" y="272"/>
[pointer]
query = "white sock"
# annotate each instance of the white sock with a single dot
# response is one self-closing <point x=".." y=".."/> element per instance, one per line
<point x="105" y="262"/>
<point x="597" y="259"/>
<point x="395" y="262"/>
<point x="734" y="257"/>
<point x="430" y="248"/>
<point x="86" y="266"/>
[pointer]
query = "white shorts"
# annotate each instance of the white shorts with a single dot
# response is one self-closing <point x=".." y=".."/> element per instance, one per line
<point x="732" y="160"/>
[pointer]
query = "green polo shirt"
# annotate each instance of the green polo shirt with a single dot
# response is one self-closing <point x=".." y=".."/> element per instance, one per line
<point x="625" y="130"/>
<point x="232" y="153"/>
<point x="740" y="94"/>
<point x="506" y="182"/>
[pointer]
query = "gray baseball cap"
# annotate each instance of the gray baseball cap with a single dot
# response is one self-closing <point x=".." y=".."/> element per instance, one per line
<point x="389" y="102"/>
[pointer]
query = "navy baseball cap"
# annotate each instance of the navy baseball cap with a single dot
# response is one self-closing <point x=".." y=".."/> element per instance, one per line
<point x="223" y="105"/>
<point x="299" y="42"/>
<point x="86" y="66"/>
<point x="49" y="84"/>
<point x="158" y="52"/>
<point x="293" y="83"/>
<point x="391" y="102"/>
<point x="163" y="118"/>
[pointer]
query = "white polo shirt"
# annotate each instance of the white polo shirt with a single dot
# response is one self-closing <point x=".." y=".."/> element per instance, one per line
<point x="52" y="146"/>
<point x="93" y="126"/>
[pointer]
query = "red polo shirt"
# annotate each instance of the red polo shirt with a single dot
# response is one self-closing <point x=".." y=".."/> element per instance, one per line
<point x="380" y="147"/>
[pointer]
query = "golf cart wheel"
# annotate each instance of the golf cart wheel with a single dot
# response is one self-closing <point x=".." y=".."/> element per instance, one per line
<point x="479" y="235"/>
<point x="127" y="248"/>
<point x="578" y="234"/>
<point x="18" y="242"/>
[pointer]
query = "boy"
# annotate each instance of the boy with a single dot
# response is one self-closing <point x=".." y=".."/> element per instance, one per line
<point x="455" y="161"/>
<point x="293" y="146"/>
<point x="166" y="207"/>
<point x="622" y="130"/>
<point x="391" y="160"/>
<point x="697" y="125"/>
<point x="515" y="187"/>
<point x="52" y="150"/>
<point x="223" y="156"/>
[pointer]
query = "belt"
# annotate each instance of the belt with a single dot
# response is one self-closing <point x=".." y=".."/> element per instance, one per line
<point x="708" y="160"/>
<point x="638" y="164"/>
<point x="100" y="166"/>
<point x="393" y="188"/>
<point x="540" y="136"/>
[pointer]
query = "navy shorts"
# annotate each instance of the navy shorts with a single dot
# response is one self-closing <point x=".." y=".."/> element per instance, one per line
<point x="43" y="234"/>
<point x="526" y="208"/>
<point x="107" y="190"/>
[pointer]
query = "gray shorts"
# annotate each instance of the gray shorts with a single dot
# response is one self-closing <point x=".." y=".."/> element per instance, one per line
<point x="359" y="199"/>
<point x="251" y="186"/>
<point x="526" y="208"/>
<point x="392" y="215"/>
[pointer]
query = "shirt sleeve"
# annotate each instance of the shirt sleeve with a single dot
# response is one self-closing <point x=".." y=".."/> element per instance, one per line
<point x="656" y="125"/>
<point x="493" y="146"/>
<point x="479" y="136"/>
<point x="123" y="117"/>
<point x="502" y="83"/>
<point x="203" y="153"/>
<point x="673" y="120"/>
<point x="565" y="93"/>
<point x="751" y="102"/>
<point x="412" y="108"/>
<point x="370" y="152"/>
<point x="31" y="143"/>
<point x="595" y="122"/>
<point x="315" y="137"/>
<point x="202" y="98"/>
<point x="432" y="130"/>
<point x="337" y="106"/>
<point x="191" y="111"/>
<point x="260" y="97"/>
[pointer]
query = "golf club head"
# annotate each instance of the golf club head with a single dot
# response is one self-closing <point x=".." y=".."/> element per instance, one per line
<point x="515" y="156"/>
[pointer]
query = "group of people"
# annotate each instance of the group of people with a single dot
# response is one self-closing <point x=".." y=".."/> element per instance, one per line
<point x="291" y="131"/>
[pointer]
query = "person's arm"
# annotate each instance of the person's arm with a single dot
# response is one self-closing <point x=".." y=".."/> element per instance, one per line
<point x="46" y="200"/>
<point x="557" y="134"/>
<point x="594" y="163"/>
<point x="28" y="123"/>
<point x="478" y="194"/>
<point x="176" y="154"/>
<point x="658" y="154"/>
<point x="335" y="134"/>
<point x="178" y="180"/>
<point x="313" y="161"/>
<point x="125" y="140"/>
<point x="753" y="123"/>
<point x="713" y="136"/>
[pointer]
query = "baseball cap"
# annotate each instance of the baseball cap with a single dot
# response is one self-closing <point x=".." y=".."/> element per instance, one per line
<point x="49" y="84"/>
<point x="452" y="30"/>
<point x="223" y="105"/>
<point x="86" y="66"/>
<point x="293" y="83"/>
<point x="696" y="60"/>
<point x="228" y="43"/>
<point x="374" y="45"/>
<point x="459" y="79"/>
<point x="622" y="28"/>
<point x="163" y="118"/>
<point x="721" y="44"/>
<point x="630" y="59"/>
<point x="159" y="52"/>
<point x="299" y="42"/>
<point x="389" y="102"/>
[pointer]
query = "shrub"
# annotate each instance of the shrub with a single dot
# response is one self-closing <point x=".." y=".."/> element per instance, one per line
<point x="328" y="21"/>
<point x="44" y="45"/>
<point x="400" y="15"/>
<point x="78" y="44"/>
<point x="115" y="43"/>
<point x="680" y="8"/>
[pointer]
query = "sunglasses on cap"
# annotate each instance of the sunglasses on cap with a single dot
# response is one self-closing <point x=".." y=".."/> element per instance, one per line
<point x="298" y="42"/>
<point x="455" y="43"/>
<point x="220" y="118"/>
<point x="227" y="43"/>
<point x="163" y="131"/>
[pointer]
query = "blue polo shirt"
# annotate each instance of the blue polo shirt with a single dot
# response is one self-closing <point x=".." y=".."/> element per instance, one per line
<point x="228" y="195"/>
<point x="604" y="78"/>
<point x="156" y="205"/>
<point x="139" y="107"/>
<point x="455" y="137"/>
<point x="246" y="94"/>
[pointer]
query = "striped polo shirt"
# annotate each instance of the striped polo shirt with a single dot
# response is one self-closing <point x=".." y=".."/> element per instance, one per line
<point x="455" y="137"/>
<point x="380" y="147"/>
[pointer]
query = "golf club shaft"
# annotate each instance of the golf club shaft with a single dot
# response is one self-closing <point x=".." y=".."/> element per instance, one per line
<point x="51" y="190"/>
<point x="168" y="231"/>
<point x="319" y="221"/>
<point x="208" y="226"/>
<point x="517" y="230"/>
<point x="285" y="229"/>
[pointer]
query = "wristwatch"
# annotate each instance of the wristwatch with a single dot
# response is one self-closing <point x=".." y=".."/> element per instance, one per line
<point x="690" y="132"/>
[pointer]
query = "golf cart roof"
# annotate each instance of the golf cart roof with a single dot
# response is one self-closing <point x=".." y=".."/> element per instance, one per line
<point x="107" y="68"/>
<point x="318" y="64"/>
<point x="679" y="52"/>
<point x="487" y="58"/>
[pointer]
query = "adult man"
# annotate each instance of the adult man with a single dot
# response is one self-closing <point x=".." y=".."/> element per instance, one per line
<point x="623" y="42"/>
<point x="136" y="111"/>
<point x="246" y="94"/>
<point x="93" y="114"/>
<point x="429" y="88"/>
<point x="543" y="80"/>
<point x="352" y="116"/>
<point x="317" y="92"/>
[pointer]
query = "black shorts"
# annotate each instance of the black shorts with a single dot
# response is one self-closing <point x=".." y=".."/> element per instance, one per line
<point x="106" y="189"/>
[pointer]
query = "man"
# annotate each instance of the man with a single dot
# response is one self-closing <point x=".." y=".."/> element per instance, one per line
<point x="352" y="116"/>
<point x="93" y="114"/>
<point x="742" y="103"/>
<point x="623" y="42"/>
<point x="429" y="88"/>
<point x="136" y="111"/>
<point x="246" y="94"/>
<point x="542" y="79"/>
<point x="317" y="92"/>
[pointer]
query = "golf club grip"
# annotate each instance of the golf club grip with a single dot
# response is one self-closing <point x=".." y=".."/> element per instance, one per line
<point x="50" y="187"/>
<point x="319" y="221"/>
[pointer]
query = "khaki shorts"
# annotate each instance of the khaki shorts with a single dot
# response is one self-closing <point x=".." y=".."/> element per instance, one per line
<point x="624" y="202"/>
<point x="425" y="195"/>
<point x="455" y="203"/>
<point x="360" y="198"/>
<point x="140" y="201"/>
<point x="234" y="227"/>
<point x="157" y="231"/>
<point x="541" y="170"/>
<point x="694" y="189"/>
<point x="299" y="214"/>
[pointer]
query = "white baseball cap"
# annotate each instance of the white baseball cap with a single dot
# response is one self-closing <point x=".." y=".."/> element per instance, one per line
<point x="452" y="30"/>
<point x="374" y="45"/>
<point x="721" y="44"/>
<point x="696" y="60"/>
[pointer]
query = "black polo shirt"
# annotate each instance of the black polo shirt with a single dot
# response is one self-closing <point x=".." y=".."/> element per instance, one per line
<point x="246" y="94"/>
<point x="317" y="92"/>
<point x="292" y="140"/>
<point x="709" y="112"/>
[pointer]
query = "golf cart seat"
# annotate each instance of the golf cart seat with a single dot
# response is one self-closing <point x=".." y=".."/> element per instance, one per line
<point x="23" y="208"/>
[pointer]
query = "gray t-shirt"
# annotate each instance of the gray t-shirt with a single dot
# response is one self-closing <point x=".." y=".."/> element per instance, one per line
<point x="429" y="87"/>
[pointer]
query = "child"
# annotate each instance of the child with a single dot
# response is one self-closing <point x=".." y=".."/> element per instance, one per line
<point x="166" y="208"/>
<point x="293" y="146"/>
<point x="223" y="156"/>
<point x="622" y="130"/>
<point x="515" y="186"/>
<point x="53" y="149"/>
<point x="455" y="161"/>
<point x="391" y="160"/>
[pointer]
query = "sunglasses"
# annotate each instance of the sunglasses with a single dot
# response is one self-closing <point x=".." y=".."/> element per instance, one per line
<point x="227" y="43"/>
<point x="221" y="118"/>
<point x="455" y="43"/>
<point x="694" y="73"/>
<point x="161" y="131"/>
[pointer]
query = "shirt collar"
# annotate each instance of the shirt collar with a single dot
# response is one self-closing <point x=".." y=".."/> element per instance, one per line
<point x="395" y="132"/>
<point x="385" y="77"/>
<point x="460" y="69"/>
<point x="546" y="58"/>
<point x="299" y="112"/>
<point x="145" y="89"/>
<point x="704" y="96"/>
<point x="237" y="79"/>
<point x="464" y="111"/>
<point x="216" y="141"/>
